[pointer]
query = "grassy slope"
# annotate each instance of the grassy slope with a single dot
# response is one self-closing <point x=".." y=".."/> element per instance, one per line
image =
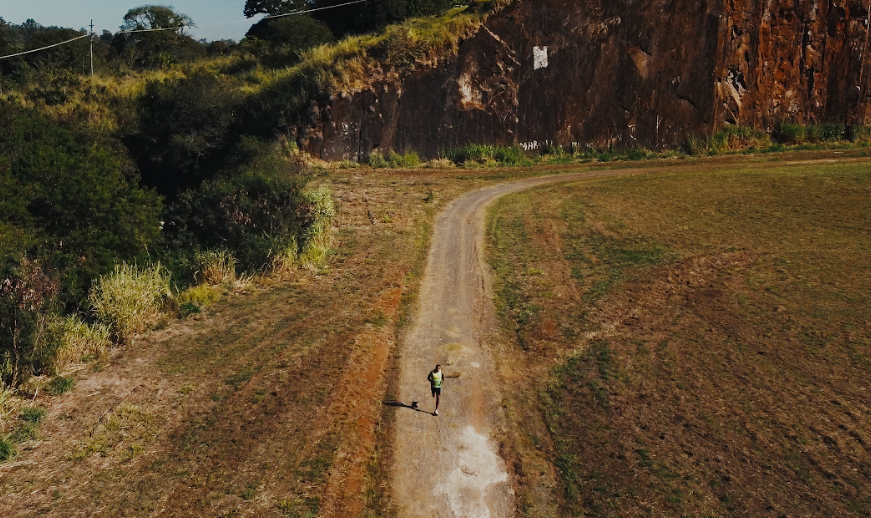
<point x="700" y="342"/>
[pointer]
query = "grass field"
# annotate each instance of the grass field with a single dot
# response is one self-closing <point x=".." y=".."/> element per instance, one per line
<point x="692" y="344"/>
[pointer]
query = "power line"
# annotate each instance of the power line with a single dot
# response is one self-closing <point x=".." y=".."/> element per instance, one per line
<point x="44" y="48"/>
<point x="295" y="13"/>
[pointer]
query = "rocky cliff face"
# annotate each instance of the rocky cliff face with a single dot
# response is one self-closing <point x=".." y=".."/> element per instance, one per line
<point x="625" y="72"/>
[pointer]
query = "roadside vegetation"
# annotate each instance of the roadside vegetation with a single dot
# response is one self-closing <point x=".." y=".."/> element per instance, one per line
<point x="689" y="343"/>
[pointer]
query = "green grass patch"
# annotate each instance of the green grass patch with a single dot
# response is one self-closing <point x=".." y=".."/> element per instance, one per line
<point x="60" y="385"/>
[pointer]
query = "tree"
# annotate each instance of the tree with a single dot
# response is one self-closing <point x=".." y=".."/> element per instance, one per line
<point x="155" y="17"/>
<point x="69" y="201"/>
<point x="166" y="42"/>
<point x="286" y="38"/>
<point x="274" y="7"/>
<point x="185" y="130"/>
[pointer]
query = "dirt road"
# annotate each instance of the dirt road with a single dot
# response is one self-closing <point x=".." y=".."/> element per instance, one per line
<point x="448" y="465"/>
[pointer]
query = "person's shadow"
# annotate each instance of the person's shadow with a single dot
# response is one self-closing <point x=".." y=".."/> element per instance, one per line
<point x="414" y="405"/>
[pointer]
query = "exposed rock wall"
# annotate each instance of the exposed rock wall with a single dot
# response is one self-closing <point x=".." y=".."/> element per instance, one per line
<point x="621" y="72"/>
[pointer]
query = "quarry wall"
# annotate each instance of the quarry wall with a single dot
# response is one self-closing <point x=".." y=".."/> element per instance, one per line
<point x="622" y="73"/>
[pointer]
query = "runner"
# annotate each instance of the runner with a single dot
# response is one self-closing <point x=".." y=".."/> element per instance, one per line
<point x="435" y="382"/>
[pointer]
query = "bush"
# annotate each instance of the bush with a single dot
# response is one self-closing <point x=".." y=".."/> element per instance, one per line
<point x="789" y="133"/>
<point x="482" y="154"/>
<point x="26" y="294"/>
<point x="78" y="339"/>
<point x="247" y="215"/>
<point x="738" y="138"/>
<point x="184" y="132"/>
<point x="129" y="299"/>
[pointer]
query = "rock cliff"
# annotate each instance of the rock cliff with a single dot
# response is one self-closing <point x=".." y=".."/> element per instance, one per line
<point x="625" y="72"/>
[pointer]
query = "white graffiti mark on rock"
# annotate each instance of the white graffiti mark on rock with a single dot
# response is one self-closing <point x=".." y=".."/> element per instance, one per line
<point x="539" y="57"/>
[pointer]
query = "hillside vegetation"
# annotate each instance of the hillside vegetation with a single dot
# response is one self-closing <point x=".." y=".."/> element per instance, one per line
<point x="689" y="343"/>
<point x="176" y="154"/>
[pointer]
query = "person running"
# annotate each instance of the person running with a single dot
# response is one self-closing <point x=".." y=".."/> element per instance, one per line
<point x="435" y="379"/>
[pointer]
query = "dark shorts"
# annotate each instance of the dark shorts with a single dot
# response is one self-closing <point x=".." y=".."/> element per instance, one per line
<point x="436" y="391"/>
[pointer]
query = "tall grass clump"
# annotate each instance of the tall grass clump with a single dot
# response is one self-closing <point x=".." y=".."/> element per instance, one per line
<point x="78" y="340"/>
<point x="484" y="154"/>
<point x="129" y="299"/>
<point x="393" y="160"/>
<point x="791" y="133"/>
<point x="217" y="267"/>
<point x="318" y="236"/>
<point x="286" y="259"/>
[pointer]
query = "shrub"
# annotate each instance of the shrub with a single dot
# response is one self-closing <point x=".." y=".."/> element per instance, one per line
<point x="184" y="131"/>
<point x="79" y="339"/>
<point x="738" y="138"/>
<point x="409" y="159"/>
<point x="26" y="294"/>
<point x="318" y="235"/>
<point x="217" y="266"/>
<point x="129" y="299"/>
<point x="482" y="154"/>
<point x="376" y="160"/>
<point x="790" y="133"/>
<point x="247" y="215"/>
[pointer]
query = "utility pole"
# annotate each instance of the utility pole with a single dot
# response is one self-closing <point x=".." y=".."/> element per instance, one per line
<point x="92" y="47"/>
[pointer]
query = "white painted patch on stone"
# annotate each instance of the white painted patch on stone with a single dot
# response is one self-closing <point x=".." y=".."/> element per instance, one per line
<point x="476" y="365"/>
<point x="478" y="469"/>
<point x="465" y="84"/>
<point x="539" y="57"/>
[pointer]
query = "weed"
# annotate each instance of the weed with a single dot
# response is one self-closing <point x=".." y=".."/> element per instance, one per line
<point x="196" y="298"/>
<point x="286" y="260"/>
<point x="60" y="385"/>
<point x="240" y="378"/>
<point x="32" y="414"/>
<point x="7" y="450"/>
<point x="186" y="309"/>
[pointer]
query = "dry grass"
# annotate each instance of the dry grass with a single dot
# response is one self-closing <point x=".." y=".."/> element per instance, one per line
<point x="217" y="267"/>
<point x="129" y="299"/>
<point x="704" y="337"/>
<point x="80" y="340"/>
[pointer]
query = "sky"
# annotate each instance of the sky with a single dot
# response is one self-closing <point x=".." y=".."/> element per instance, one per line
<point x="216" y="19"/>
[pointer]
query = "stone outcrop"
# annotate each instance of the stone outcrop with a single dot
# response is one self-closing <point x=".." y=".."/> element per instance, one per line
<point x="622" y="73"/>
